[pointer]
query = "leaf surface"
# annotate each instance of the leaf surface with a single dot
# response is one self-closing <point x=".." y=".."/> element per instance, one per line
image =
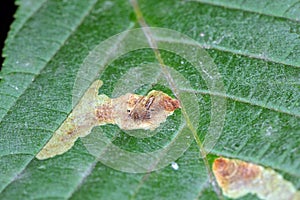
<point x="256" y="47"/>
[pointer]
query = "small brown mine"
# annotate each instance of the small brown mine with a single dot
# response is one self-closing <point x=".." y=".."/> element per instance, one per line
<point x="238" y="178"/>
<point x="132" y="111"/>
<point x="129" y="112"/>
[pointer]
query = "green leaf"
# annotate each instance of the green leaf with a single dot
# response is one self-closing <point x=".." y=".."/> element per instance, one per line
<point x="254" y="44"/>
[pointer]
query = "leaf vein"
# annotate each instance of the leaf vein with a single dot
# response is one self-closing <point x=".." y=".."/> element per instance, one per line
<point x="244" y="9"/>
<point x="79" y="23"/>
<point x="244" y="100"/>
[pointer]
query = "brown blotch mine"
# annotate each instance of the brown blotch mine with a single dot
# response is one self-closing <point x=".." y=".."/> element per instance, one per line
<point x="238" y="178"/>
<point x="129" y="112"/>
<point x="229" y="171"/>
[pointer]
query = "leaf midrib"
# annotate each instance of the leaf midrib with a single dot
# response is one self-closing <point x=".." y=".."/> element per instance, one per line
<point x="153" y="44"/>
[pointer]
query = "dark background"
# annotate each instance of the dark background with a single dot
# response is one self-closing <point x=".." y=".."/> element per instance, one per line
<point x="7" y="10"/>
